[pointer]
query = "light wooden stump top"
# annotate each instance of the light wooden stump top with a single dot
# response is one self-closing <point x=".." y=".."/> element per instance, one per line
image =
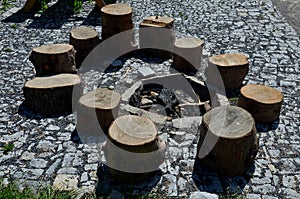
<point x="60" y="80"/>
<point x="101" y="98"/>
<point x="83" y="33"/>
<point x="229" y="122"/>
<point x="132" y="130"/>
<point x="53" y="48"/>
<point x="189" y="43"/>
<point x="262" y="94"/>
<point x="157" y="21"/>
<point x="117" y="9"/>
<point x="228" y="60"/>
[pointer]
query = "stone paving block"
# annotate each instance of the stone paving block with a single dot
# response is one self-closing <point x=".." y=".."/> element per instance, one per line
<point x="65" y="182"/>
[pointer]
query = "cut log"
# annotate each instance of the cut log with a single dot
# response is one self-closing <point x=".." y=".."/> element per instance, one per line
<point x="53" y="59"/>
<point x="133" y="150"/>
<point x="187" y="54"/>
<point x="84" y="39"/>
<point x="228" y="142"/>
<point x="51" y="95"/>
<point x="96" y="111"/>
<point x="100" y="3"/>
<point x="156" y="36"/>
<point x="263" y="102"/>
<point x="233" y="68"/>
<point x="116" y="18"/>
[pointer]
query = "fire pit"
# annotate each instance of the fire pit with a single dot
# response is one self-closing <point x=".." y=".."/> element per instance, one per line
<point x="156" y="98"/>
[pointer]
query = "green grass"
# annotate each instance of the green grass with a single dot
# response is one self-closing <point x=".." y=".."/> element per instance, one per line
<point x="8" y="148"/>
<point x="11" y="191"/>
<point x="233" y="196"/>
<point x="13" y="25"/>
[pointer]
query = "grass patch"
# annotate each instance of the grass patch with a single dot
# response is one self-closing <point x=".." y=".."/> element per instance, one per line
<point x="11" y="191"/>
<point x="8" y="148"/>
<point x="233" y="100"/>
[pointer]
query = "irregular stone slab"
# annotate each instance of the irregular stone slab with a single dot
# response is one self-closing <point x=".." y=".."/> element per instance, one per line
<point x="129" y="92"/>
<point x="187" y="122"/>
<point x="156" y="118"/>
<point x="145" y="72"/>
<point x="203" y="195"/>
<point x="65" y="182"/>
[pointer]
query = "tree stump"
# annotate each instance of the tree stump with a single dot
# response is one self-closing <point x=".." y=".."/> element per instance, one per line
<point x="116" y="18"/>
<point x="53" y="59"/>
<point x="133" y="151"/>
<point x="233" y="68"/>
<point x="187" y="54"/>
<point x="96" y="111"/>
<point x="32" y="5"/>
<point x="84" y="39"/>
<point x="51" y="95"/>
<point x="263" y="102"/>
<point x="156" y="36"/>
<point x="228" y="137"/>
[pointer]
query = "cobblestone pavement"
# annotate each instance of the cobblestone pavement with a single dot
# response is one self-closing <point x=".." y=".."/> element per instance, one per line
<point x="290" y="9"/>
<point x="44" y="151"/>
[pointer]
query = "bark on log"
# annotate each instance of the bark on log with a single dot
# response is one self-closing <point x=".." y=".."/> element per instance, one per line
<point x="232" y="67"/>
<point x="53" y="59"/>
<point x="96" y="111"/>
<point x="51" y="95"/>
<point x="84" y="39"/>
<point x="228" y="137"/>
<point x="187" y="54"/>
<point x="133" y="150"/>
<point x="157" y="33"/>
<point x="263" y="102"/>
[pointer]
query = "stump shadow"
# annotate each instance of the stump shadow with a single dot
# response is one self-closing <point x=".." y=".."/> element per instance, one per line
<point x="107" y="185"/>
<point x="18" y="17"/>
<point x="209" y="181"/>
<point x="267" y="126"/>
<point x="55" y="16"/>
<point x="94" y="18"/>
<point x="26" y="112"/>
<point x="148" y="58"/>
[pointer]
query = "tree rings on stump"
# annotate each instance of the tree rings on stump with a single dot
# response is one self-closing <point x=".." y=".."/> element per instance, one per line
<point x="233" y="68"/>
<point x="133" y="150"/>
<point x="228" y="142"/>
<point x="53" y="59"/>
<point x="263" y="102"/>
<point x="155" y="34"/>
<point x="96" y="111"/>
<point x="187" y="54"/>
<point x="84" y="39"/>
<point x="51" y="95"/>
